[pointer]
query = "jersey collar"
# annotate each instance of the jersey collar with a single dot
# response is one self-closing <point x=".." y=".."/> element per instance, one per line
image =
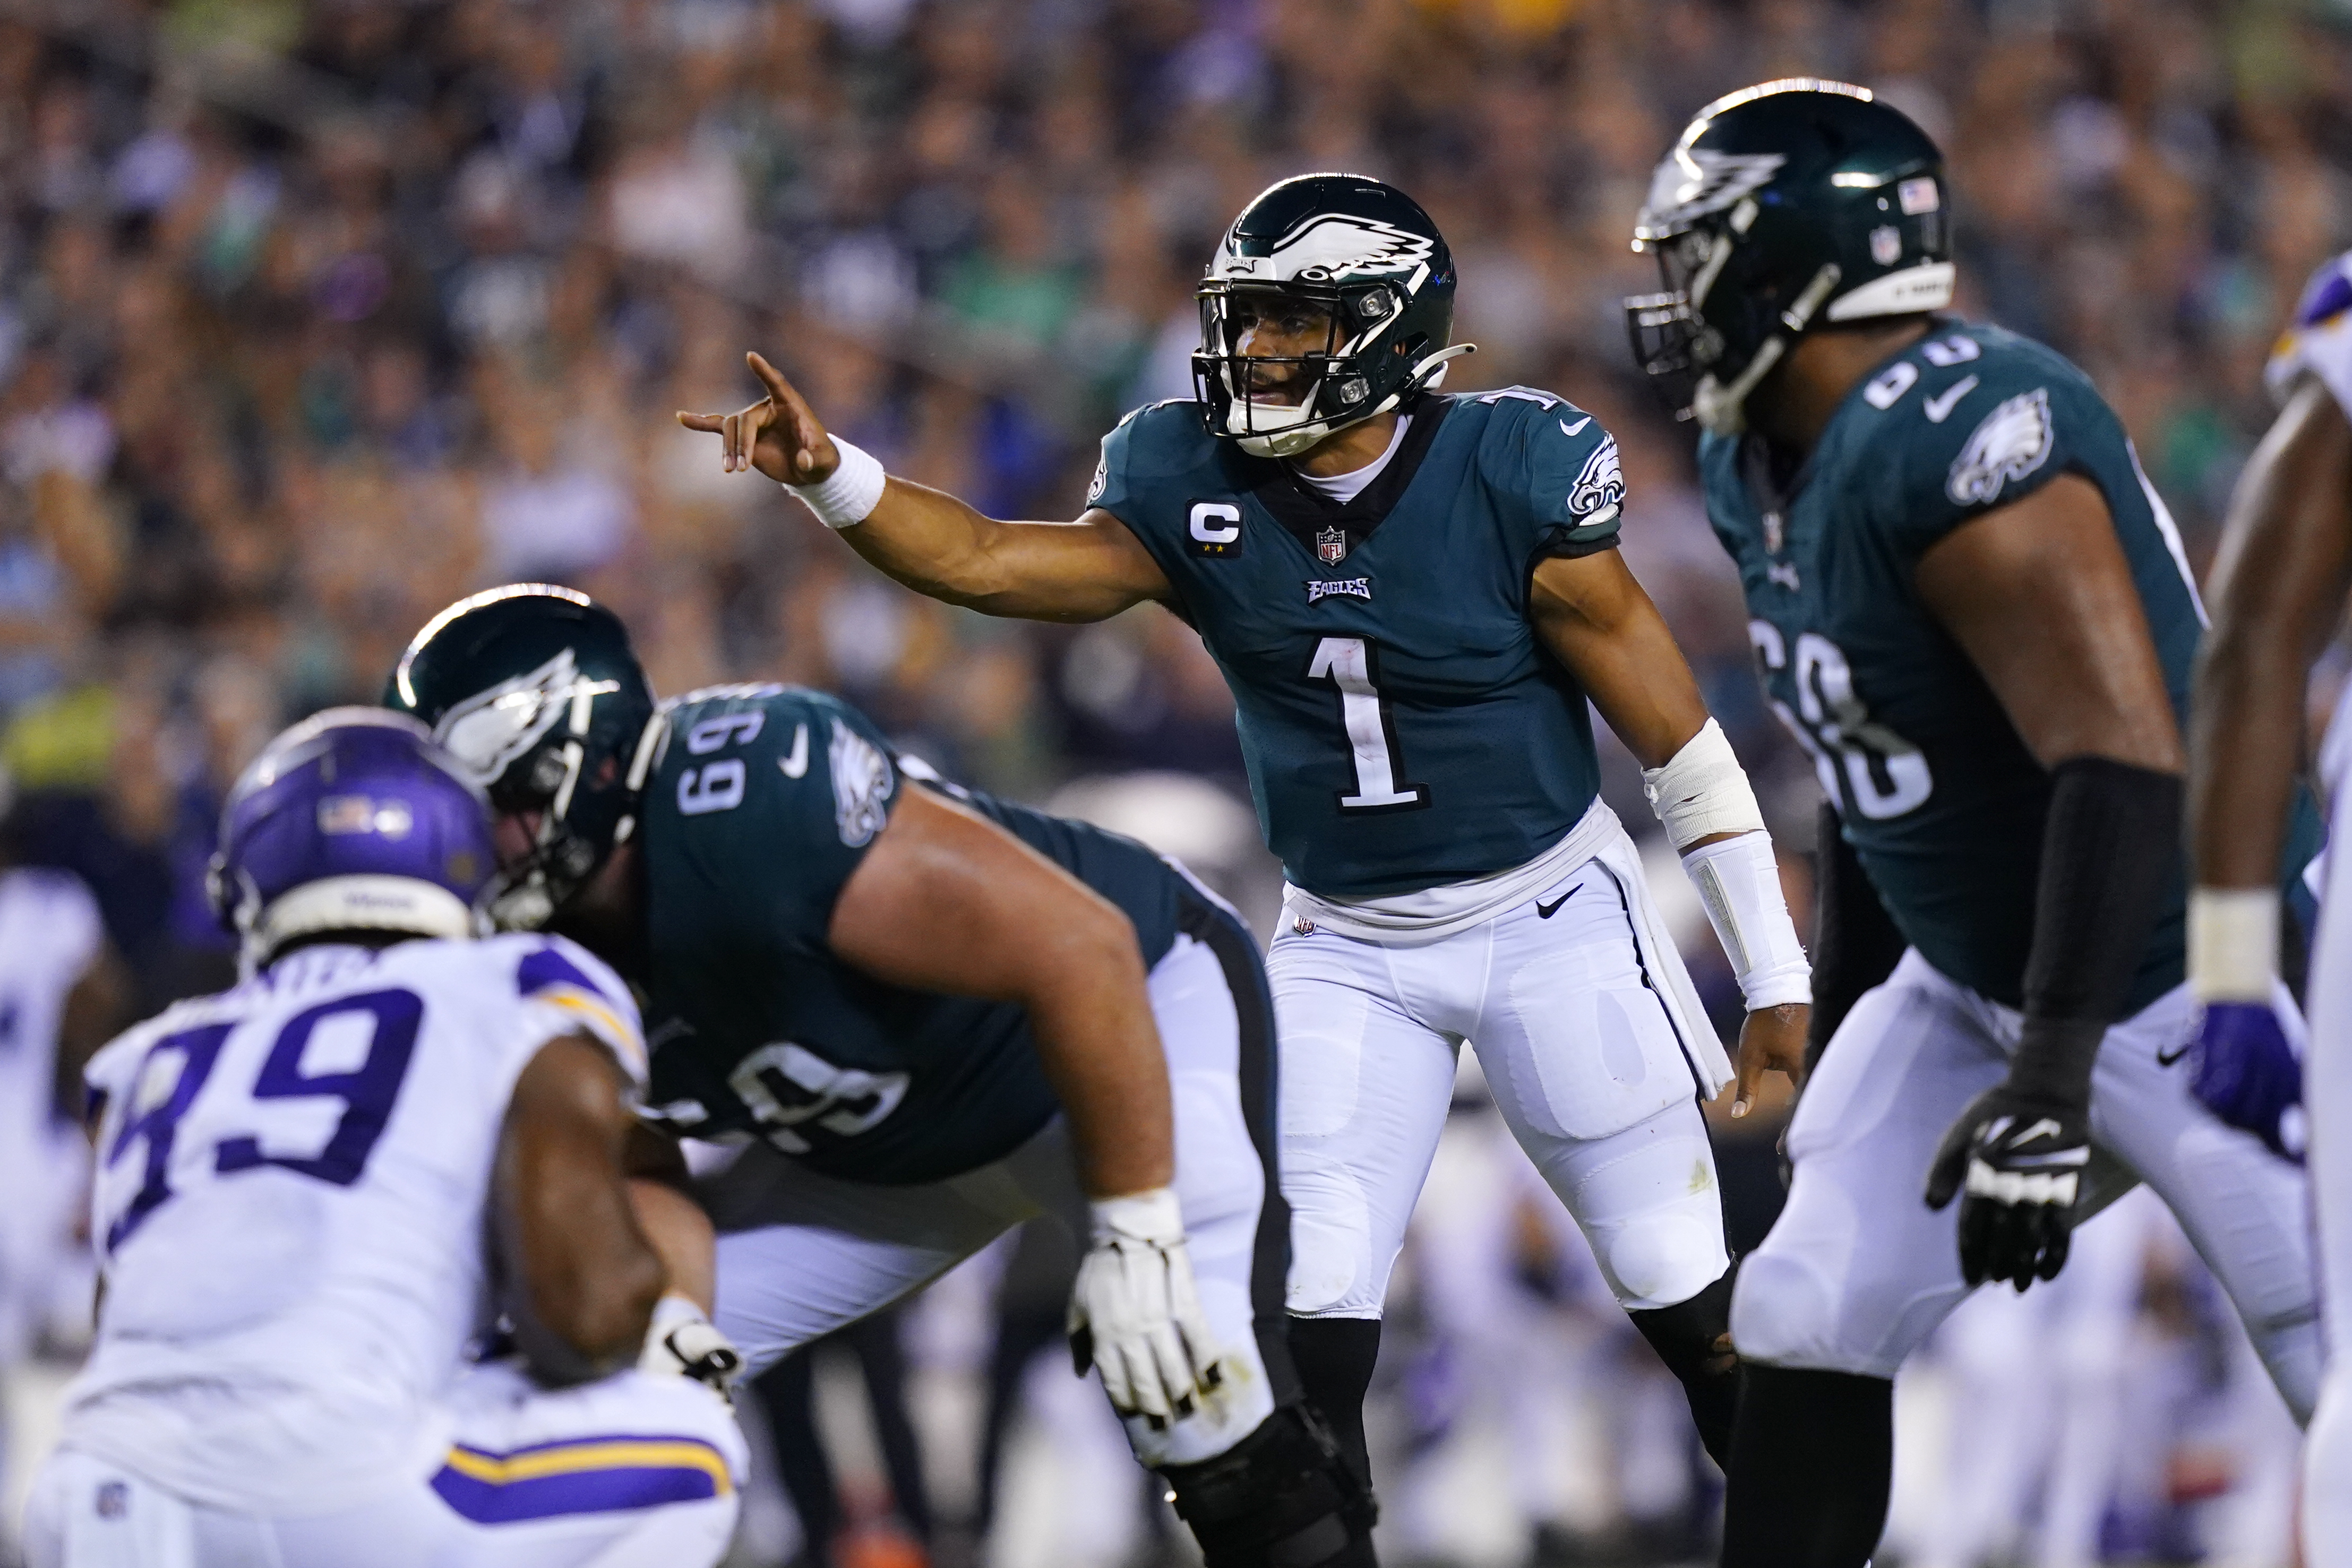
<point x="1305" y="511"/>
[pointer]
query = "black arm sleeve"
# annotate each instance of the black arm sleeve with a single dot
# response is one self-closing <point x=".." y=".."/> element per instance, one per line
<point x="2109" y="846"/>
<point x="1855" y="944"/>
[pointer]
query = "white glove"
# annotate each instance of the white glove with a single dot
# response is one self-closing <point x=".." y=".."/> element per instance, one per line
<point x="682" y="1342"/>
<point x="1135" y="1313"/>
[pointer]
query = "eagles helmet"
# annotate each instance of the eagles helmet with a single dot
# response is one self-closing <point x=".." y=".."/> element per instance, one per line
<point x="351" y="820"/>
<point x="536" y="691"/>
<point x="1782" y="206"/>
<point x="1360" y="259"/>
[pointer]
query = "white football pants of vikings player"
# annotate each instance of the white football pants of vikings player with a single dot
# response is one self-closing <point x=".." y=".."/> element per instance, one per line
<point x="1858" y="1271"/>
<point x="1592" y="1043"/>
<point x="533" y="1478"/>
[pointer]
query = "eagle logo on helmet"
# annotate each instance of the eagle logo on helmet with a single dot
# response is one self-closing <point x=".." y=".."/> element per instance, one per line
<point x="491" y="729"/>
<point x="1339" y="245"/>
<point x="1695" y="181"/>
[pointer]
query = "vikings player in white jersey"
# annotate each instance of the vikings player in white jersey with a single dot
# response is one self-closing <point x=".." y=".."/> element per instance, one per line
<point x="315" y="1190"/>
<point x="2279" y="588"/>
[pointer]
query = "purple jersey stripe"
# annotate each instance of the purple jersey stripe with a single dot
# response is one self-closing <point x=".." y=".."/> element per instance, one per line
<point x="544" y="966"/>
<point x="604" y="1491"/>
<point x="2327" y="295"/>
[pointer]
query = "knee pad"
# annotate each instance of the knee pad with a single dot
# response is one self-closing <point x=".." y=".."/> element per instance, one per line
<point x="1280" y="1498"/>
<point x="1669" y="1255"/>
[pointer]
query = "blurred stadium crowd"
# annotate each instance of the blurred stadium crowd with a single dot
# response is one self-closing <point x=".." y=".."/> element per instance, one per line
<point x="316" y="316"/>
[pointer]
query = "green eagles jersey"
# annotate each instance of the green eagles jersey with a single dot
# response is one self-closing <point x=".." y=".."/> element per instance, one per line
<point x="1401" y="726"/>
<point x="762" y="802"/>
<point x="1940" y="799"/>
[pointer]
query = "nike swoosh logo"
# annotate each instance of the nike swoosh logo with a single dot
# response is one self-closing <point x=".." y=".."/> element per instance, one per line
<point x="2166" y="1058"/>
<point x="796" y="764"/>
<point x="2044" y="1128"/>
<point x="1939" y="408"/>
<point x="1568" y="429"/>
<point x="1546" y="911"/>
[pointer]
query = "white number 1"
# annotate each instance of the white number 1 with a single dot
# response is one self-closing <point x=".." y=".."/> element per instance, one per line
<point x="1347" y="662"/>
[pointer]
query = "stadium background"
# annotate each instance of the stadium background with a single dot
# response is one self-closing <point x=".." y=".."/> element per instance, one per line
<point x="315" y="317"/>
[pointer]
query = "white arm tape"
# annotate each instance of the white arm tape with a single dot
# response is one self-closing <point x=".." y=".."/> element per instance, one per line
<point x="846" y="497"/>
<point x="2233" y="943"/>
<point x="1740" y="882"/>
<point x="1702" y="790"/>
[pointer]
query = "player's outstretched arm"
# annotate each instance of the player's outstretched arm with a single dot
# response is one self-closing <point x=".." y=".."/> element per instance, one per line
<point x="583" y="1280"/>
<point x="2278" y="586"/>
<point x="1598" y="622"/>
<point x="2039" y="595"/>
<point x="932" y="542"/>
<point x="682" y="1340"/>
<point x="948" y="902"/>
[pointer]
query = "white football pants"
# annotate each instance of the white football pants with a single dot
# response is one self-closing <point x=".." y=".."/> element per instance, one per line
<point x="1582" y="1058"/>
<point x="633" y="1471"/>
<point x="801" y="1254"/>
<point x="1858" y="1271"/>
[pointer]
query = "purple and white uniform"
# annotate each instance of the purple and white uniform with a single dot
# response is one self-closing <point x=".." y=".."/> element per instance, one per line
<point x="292" y="1194"/>
<point x="2319" y="344"/>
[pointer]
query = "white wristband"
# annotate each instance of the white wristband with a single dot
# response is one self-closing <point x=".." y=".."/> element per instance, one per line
<point x="846" y="497"/>
<point x="1702" y="790"/>
<point x="2233" y="943"/>
<point x="1738" y="880"/>
<point x="1154" y="1216"/>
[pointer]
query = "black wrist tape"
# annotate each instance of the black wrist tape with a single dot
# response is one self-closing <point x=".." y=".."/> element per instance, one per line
<point x="2110" y="850"/>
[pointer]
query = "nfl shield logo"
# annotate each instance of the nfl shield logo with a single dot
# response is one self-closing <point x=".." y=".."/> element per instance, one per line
<point x="1331" y="545"/>
<point x="1886" y="245"/>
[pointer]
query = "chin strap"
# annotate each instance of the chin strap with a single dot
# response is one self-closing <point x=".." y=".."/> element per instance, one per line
<point x="1721" y="408"/>
<point x="1431" y="372"/>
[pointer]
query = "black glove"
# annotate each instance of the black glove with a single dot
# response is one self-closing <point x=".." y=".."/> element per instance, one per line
<point x="2020" y="1156"/>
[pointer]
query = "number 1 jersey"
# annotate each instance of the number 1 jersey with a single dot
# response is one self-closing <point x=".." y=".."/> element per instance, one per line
<point x="291" y="1210"/>
<point x="1939" y="795"/>
<point x="1403" y="727"/>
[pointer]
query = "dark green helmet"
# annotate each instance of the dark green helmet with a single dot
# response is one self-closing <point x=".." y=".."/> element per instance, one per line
<point x="1369" y="263"/>
<point x="536" y="690"/>
<point x="1780" y="207"/>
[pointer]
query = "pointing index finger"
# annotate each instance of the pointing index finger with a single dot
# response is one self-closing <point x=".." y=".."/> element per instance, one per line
<point x="770" y="377"/>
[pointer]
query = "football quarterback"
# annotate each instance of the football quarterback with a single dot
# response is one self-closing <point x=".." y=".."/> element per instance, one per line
<point x="927" y="1015"/>
<point x="1412" y="596"/>
<point x="1971" y="607"/>
<point x="2279" y="586"/>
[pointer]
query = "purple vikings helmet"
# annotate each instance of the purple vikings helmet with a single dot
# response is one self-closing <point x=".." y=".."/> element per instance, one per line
<point x="351" y="820"/>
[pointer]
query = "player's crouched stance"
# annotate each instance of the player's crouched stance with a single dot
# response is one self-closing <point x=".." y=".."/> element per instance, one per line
<point x="294" y="1181"/>
<point x="931" y="1016"/>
